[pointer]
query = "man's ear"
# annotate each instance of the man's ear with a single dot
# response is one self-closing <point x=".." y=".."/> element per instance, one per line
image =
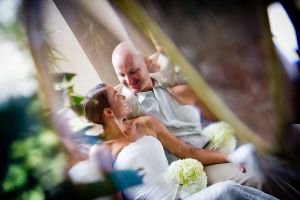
<point x="108" y="112"/>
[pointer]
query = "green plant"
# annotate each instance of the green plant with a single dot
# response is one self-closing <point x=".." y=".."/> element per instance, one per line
<point x="65" y="86"/>
<point x="32" y="160"/>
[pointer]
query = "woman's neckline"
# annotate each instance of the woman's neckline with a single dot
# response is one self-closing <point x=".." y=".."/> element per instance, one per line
<point x="132" y="143"/>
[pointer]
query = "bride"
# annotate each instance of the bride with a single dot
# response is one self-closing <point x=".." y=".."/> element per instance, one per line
<point x="138" y="144"/>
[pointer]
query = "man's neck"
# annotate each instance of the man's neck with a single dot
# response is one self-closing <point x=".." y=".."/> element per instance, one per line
<point x="150" y="85"/>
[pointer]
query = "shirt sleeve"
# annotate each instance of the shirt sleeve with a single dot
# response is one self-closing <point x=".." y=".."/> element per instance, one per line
<point x="169" y="75"/>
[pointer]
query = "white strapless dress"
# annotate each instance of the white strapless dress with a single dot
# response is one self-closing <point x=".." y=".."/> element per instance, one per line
<point x="147" y="153"/>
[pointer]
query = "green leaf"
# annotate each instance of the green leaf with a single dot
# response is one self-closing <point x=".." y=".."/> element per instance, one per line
<point x="15" y="178"/>
<point x="36" y="193"/>
<point x="76" y="103"/>
<point x="69" y="77"/>
<point x="76" y="100"/>
<point x="78" y="109"/>
<point x="70" y="90"/>
<point x="64" y="77"/>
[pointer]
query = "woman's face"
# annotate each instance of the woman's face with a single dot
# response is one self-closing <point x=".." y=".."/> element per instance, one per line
<point x="117" y="103"/>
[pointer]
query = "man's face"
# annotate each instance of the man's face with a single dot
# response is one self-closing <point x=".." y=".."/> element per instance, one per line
<point x="117" y="103"/>
<point x="132" y="73"/>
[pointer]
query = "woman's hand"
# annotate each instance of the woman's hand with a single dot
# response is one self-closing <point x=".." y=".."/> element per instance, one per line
<point x="151" y="65"/>
<point x="245" y="154"/>
<point x="240" y="166"/>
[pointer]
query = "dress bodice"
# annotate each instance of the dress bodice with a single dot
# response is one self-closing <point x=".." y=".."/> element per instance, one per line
<point x="147" y="154"/>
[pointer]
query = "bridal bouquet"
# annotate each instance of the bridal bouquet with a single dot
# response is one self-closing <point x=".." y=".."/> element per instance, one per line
<point x="221" y="137"/>
<point x="188" y="174"/>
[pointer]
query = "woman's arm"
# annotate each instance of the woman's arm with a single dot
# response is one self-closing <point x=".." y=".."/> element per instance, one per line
<point x="180" y="148"/>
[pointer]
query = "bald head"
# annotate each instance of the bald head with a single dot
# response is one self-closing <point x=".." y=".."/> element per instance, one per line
<point x="123" y="52"/>
<point x="130" y="67"/>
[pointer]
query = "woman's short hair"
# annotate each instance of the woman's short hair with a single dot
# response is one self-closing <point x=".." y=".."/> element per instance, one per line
<point x="94" y="103"/>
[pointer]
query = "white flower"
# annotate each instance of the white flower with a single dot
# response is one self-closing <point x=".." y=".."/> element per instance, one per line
<point x="221" y="136"/>
<point x="188" y="173"/>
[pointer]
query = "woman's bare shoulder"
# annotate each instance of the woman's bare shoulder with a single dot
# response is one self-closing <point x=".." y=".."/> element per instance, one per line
<point x="143" y="125"/>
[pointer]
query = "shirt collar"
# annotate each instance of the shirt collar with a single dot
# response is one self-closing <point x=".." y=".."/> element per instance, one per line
<point x="141" y="96"/>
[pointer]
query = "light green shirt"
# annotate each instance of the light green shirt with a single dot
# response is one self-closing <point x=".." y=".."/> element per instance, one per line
<point x="181" y="120"/>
